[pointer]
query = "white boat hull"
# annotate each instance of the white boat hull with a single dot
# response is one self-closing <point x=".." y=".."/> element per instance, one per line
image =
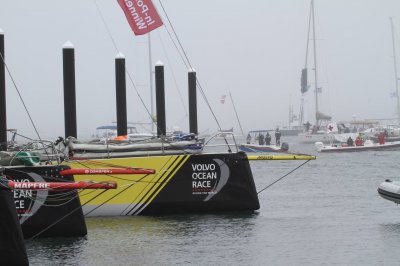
<point x="390" y="190"/>
<point x="264" y="148"/>
<point x="312" y="138"/>
<point x="368" y="146"/>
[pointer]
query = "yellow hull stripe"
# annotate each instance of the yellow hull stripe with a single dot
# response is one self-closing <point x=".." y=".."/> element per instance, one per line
<point x="152" y="191"/>
<point x="132" y="189"/>
<point x="281" y="157"/>
<point x="168" y="178"/>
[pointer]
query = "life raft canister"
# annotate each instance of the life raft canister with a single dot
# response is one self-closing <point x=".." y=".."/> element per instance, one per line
<point x="122" y="137"/>
<point x="28" y="158"/>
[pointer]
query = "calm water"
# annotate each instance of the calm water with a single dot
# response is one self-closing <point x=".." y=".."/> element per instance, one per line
<point x="326" y="213"/>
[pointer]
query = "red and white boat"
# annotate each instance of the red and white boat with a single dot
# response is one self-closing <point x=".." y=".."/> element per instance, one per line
<point x="367" y="146"/>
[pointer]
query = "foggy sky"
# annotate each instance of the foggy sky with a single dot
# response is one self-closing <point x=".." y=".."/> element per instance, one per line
<point x="253" y="49"/>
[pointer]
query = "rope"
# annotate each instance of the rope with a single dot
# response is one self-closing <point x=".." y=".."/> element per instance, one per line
<point x="20" y="96"/>
<point x="62" y="218"/>
<point x="173" y="76"/>
<point x="282" y="177"/>
<point x="111" y="197"/>
<point x="126" y="69"/>
<point x="188" y="61"/>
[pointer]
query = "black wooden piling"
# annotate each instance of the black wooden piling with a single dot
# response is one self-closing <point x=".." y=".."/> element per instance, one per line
<point x="120" y="84"/>
<point x="3" y="109"/>
<point x="160" y="99"/>
<point x="192" y="102"/>
<point x="69" y="90"/>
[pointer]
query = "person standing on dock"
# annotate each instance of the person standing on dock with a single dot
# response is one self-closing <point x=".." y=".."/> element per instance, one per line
<point x="261" y="139"/>
<point x="267" y="139"/>
<point x="359" y="140"/>
<point x="278" y="136"/>
<point x="381" y="138"/>
<point x="248" y="139"/>
<point x="350" y="142"/>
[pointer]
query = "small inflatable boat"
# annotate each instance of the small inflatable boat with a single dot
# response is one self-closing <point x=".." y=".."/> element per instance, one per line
<point x="390" y="190"/>
<point x="284" y="147"/>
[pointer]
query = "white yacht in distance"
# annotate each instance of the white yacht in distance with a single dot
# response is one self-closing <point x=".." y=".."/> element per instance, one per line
<point x="325" y="134"/>
<point x="322" y="129"/>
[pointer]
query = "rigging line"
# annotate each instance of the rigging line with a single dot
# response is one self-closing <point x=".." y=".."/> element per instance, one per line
<point x="65" y="216"/>
<point x="66" y="197"/>
<point x="208" y="104"/>
<point x="308" y="37"/>
<point x="138" y="194"/>
<point x="53" y="199"/>
<point x="20" y="96"/>
<point x="173" y="75"/>
<point x="175" y="34"/>
<point x="117" y="50"/>
<point x="109" y="198"/>
<point x="93" y="163"/>
<point x="176" y="47"/>
<point x="282" y="177"/>
<point x="105" y="25"/>
<point x="85" y="193"/>
<point x="237" y="116"/>
<point x="22" y="136"/>
<point x="147" y="193"/>
<point x="187" y="59"/>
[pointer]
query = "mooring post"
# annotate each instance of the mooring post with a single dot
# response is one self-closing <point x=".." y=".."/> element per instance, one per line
<point x="69" y="90"/>
<point x="3" y="109"/>
<point x="120" y="85"/>
<point x="192" y="101"/>
<point x="160" y="99"/>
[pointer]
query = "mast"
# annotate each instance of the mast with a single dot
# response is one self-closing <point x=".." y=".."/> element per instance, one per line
<point x="395" y="72"/>
<point x="151" y="83"/>
<point x="301" y="118"/>
<point x="304" y="80"/>
<point x="237" y="117"/>
<point x="315" y="64"/>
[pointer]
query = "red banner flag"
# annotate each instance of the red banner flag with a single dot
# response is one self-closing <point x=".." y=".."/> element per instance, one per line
<point x="142" y="16"/>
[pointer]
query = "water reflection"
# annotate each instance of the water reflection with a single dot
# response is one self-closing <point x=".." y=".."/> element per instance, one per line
<point x="391" y="230"/>
<point x="55" y="251"/>
<point x="150" y="240"/>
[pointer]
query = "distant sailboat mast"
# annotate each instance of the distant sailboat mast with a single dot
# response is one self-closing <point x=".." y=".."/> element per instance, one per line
<point x="315" y="65"/>
<point x="304" y="81"/>
<point x="395" y="72"/>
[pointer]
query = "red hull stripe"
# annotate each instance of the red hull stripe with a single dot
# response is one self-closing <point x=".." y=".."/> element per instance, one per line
<point x="61" y="185"/>
<point x="109" y="171"/>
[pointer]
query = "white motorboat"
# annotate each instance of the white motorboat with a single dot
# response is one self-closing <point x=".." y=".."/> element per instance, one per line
<point x="367" y="146"/>
<point x="390" y="190"/>
<point x="284" y="147"/>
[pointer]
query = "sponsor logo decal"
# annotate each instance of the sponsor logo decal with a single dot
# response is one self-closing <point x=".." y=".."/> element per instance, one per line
<point x="28" y="202"/>
<point x="209" y="178"/>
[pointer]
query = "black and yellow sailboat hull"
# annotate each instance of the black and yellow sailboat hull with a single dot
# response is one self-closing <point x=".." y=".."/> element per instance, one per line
<point x="181" y="184"/>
